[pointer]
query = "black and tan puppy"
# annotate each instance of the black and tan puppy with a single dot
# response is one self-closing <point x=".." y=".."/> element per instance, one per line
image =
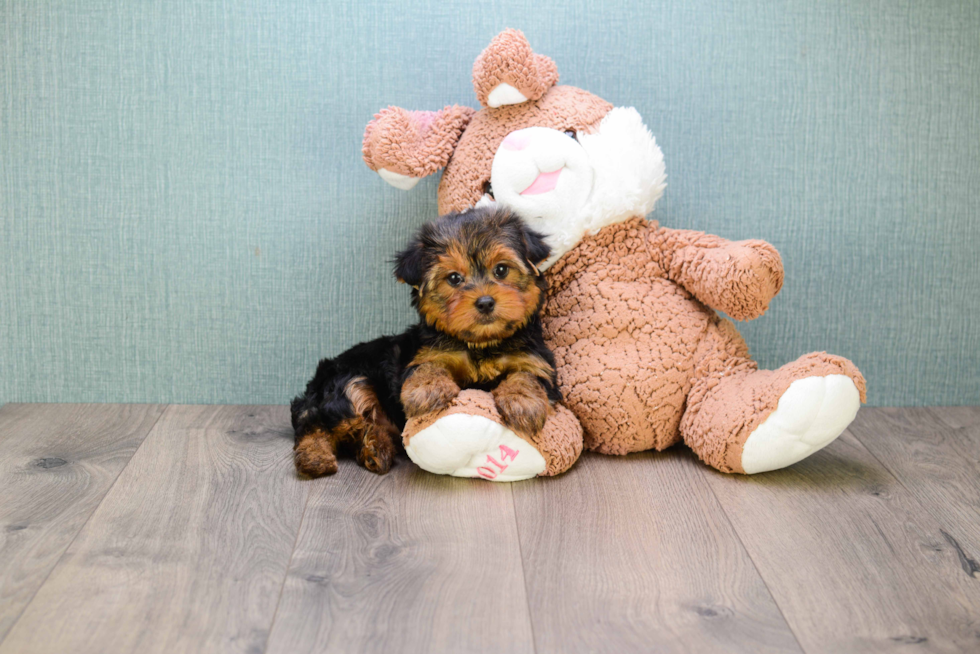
<point x="477" y="289"/>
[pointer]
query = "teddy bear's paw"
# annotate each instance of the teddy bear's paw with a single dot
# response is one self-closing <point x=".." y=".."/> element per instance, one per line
<point x="464" y="445"/>
<point x="810" y="415"/>
<point x="399" y="181"/>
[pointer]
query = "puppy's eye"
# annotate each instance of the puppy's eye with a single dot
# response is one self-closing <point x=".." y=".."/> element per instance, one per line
<point x="571" y="134"/>
<point x="500" y="271"/>
<point x="488" y="188"/>
<point x="454" y="279"/>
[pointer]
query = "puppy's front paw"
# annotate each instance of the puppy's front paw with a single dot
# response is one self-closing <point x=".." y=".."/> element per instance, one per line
<point x="525" y="414"/>
<point x="434" y="395"/>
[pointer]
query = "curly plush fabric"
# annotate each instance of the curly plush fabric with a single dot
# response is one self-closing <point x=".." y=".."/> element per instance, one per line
<point x="509" y="60"/>
<point x="643" y="363"/>
<point x="413" y="143"/>
<point x="561" y="108"/>
<point x="560" y="442"/>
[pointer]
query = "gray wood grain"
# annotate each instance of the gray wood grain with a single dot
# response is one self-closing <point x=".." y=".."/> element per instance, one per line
<point x="965" y="420"/>
<point x="934" y="454"/>
<point x="202" y="544"/>
<point x="187" y="552"/>
<point x="407" y="562"/>
<point x="56" y="464"/>
<point x="634" y="554"/>
<point x="854" y="561"/>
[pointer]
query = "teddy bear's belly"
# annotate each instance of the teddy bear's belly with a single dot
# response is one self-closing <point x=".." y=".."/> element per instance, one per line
<point x="625" y="356"/>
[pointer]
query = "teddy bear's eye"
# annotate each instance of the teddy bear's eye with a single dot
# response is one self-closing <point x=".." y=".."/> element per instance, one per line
<point x="571" y="134"/>
<point x="488" y="188"/>
<point x="454" y="279"/>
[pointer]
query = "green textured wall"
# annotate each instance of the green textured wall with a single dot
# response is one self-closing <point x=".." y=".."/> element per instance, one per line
<point x="184" y="215"/>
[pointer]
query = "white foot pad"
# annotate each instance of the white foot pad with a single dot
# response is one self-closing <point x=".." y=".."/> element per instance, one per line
<point x="464" y="445"/>
<point x="811" y="413"/>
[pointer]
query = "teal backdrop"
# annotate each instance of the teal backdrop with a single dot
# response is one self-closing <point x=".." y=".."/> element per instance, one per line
<point x="185" y="216"/>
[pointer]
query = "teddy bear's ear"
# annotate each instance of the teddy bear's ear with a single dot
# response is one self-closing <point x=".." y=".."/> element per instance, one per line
<point x="404" y="146"/>
<point x="508" y="71"/>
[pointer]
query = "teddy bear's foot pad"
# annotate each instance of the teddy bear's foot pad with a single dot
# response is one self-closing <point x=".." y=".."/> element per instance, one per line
<point x="810" y="415"/>
<point x="464" y="445"/>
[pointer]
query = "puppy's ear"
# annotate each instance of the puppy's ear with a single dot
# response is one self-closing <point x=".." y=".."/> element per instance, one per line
<point x="409" y="264"/>
<point x="536" y="250"/>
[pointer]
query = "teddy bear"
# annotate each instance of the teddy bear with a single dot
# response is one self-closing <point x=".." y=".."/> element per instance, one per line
<point x="644" y="360"/>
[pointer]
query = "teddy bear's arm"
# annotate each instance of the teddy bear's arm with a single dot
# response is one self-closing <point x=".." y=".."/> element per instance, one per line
<point x="737" y="277"/>
<point x="403" y="146"/>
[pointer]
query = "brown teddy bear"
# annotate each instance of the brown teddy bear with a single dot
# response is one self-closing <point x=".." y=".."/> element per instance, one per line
<point x="643" y="359"/>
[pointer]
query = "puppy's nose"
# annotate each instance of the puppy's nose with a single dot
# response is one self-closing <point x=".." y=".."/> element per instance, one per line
<point x="485" y="304"/>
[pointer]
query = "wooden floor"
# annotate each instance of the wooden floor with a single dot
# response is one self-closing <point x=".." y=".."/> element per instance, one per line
<point x="184" y="529"/>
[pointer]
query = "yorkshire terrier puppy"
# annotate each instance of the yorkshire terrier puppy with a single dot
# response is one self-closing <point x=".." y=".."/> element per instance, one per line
<point x="478" y="292"/>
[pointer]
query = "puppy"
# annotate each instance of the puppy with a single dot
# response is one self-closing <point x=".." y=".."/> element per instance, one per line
<point x="478" y="293"/>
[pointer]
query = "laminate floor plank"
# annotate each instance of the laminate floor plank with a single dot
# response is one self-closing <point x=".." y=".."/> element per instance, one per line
<point x="854" y="561"/>
<point x="934" y="454"/>
<point x="405" y="562"/>
<point x="634" y="554"/>
<point x="965" y="420"/>
<point x="57" y="462"/>
<point x="185" y="529"/>
<point x="188" y="550"/>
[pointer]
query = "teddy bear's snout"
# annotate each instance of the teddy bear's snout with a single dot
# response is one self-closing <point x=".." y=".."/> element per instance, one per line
<point x="531" y="161"/>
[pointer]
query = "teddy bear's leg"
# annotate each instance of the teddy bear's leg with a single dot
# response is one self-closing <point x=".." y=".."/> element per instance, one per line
<point x="469" y="440"/>
<point x="742" y="419"/>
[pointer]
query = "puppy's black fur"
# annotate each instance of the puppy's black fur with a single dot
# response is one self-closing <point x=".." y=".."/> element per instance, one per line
<point x="358" y="401"/>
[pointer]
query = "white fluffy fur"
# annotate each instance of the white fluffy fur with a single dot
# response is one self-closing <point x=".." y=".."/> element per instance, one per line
<point x="629" y="170"/>
<point x="607" y="177"/>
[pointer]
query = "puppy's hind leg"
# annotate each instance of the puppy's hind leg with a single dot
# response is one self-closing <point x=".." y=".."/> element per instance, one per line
<point x="315" y="447"/>
<point x="375" y="450"/>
